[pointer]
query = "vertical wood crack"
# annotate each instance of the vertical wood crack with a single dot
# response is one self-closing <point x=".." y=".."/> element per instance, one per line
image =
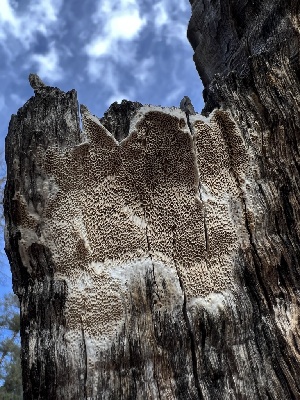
<point x="187" y="321"/>
<point x="253" y="245"/>
<point x="85" y="360"/>
<point x="251" y="239"/>
<point x="189" y="123"/>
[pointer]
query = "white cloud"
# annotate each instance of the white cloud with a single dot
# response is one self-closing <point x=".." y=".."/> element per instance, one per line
<point x="95" y="69"/>
<point x="39" y="16"/>
<point x="8" y="14"/>
<point x="182" y="5"/>
<point x="107" y="72"/>
<point x="126" y="26"/>
<point x="98" y="47"/>
<point x="176" y="32"/>
<point x="47" y="10"/>
<point x="117" y="96"/>
<point x="112" y="47"/>
<point x="166" y="22"/>
<point x="110" y="79"/>
<point x="144" y="70"/>
<point x="109" y="7"/>
<point x="115" y="47"/>
<point x="48" y="65"/>
<point x="160" y="14"/>
<point x="119" y="22"/>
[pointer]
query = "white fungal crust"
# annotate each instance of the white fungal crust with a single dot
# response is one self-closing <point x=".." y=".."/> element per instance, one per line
<point x="160" y="196"/>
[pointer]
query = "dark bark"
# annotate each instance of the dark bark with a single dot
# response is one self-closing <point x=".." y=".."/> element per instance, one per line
<point x="247" y="54"/>
<point x="117" y="118"/>
<point x="159" y="261"/>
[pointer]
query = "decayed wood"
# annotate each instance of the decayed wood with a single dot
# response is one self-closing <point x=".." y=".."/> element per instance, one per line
<point x="247" y="54"/>
<point x="159" y="259"/>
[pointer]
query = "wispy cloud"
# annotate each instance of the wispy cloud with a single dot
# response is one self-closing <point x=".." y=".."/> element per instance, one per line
<point x="173" y="96"/>
<point x="117" y="21"/>
<point x="144" y="70"/>
<point x="112" y="45"/>
<point x="115" y="49"/>
<point x="47" y="65"/>
<point x="21" y="25"/>
<point x="125" y="26"/>
<point x="166" y="21"/>
<point x="119" y="26"/>
<point x="111" y="80"/>
<point x="38" y="17"/>
<point x="160" y="14"/>
<point x="8" y="13"/>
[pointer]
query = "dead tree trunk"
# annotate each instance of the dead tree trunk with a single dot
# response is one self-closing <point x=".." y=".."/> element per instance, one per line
<point x="156" y="259"/>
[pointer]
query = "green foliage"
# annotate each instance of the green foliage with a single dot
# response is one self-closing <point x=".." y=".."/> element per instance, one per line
<point x="10" y="365"/>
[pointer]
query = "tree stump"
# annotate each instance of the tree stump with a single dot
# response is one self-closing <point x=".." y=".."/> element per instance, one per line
<point x="156" y="259"/>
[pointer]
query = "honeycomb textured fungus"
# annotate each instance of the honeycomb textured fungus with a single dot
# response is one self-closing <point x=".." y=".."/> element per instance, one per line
<point x="160" y="197"/>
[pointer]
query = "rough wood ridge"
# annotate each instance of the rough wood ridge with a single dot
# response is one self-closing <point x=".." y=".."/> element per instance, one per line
<point x="159" y="259"/>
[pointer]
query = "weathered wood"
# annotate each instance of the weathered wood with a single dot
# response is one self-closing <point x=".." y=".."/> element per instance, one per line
<point x="247" y="54"/>
<point x="160" y="260"/>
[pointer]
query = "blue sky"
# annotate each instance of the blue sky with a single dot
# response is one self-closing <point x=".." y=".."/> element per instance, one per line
<point x="108" y="50"/>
